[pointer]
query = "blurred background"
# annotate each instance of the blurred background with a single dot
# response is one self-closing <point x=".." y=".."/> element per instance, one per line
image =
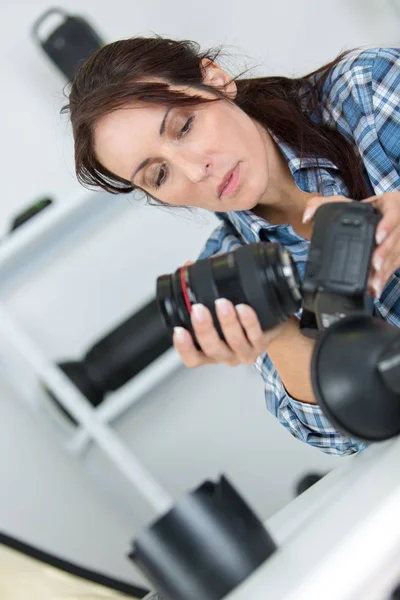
<point x="73" y="272"/>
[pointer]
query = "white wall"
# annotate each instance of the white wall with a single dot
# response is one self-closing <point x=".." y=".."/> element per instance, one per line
<point x="197" y="423"/>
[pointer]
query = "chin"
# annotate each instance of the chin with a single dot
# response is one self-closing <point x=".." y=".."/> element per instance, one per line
<point x="252" y="201"/>
<point x="239" y="205"/>
<point x="245" y="200"/>
<point x="255" y="194"/>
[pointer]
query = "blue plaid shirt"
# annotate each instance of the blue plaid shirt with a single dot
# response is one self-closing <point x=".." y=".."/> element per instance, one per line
<point x="361" y="98"/>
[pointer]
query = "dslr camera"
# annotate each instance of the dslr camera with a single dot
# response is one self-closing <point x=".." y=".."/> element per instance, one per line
<point x="264" y="276"/>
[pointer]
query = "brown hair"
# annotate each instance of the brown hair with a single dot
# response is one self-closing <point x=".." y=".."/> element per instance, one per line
<point x="121" y="73"/>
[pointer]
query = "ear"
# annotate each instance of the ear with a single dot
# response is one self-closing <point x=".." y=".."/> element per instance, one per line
<point x="216" y="77"/>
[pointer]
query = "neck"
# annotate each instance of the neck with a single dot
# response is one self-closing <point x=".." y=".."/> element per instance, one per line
<point x="283" y="201"/>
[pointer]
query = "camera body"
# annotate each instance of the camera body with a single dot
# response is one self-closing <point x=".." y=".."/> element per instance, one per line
<point x="338" y="265"/>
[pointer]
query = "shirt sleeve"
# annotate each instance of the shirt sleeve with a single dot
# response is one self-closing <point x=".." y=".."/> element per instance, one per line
<point x="361" y="98"/>
<point x="385" y="85"/>
<point x="304" y="421"/>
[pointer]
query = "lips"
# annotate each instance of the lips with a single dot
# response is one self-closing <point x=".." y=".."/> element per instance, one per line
<point x="229" y="182"/>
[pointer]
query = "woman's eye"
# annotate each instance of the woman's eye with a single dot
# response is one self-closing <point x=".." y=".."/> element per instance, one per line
<point x="162" y="174"/>
<point x="187" y="126"/>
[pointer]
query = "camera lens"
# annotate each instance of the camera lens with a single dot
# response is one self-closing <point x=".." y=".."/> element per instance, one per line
<point x="261" y="275"/>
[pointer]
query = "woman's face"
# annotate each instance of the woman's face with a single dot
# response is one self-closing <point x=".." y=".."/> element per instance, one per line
<point x="212" y="156"/>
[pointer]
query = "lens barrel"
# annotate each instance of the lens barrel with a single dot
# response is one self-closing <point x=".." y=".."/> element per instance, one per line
<point x="261" y="275"/>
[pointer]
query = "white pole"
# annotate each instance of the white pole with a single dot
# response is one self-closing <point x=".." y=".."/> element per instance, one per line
<point x="77" y="404"/>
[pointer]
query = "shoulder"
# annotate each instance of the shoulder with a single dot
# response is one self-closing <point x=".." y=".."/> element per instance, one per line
<point x="360" y="73"/>
<point x="386" y="63"/>
<point x="361" y="99"/>
<point x="370" y="59"/>
<point x="366" y="58"/>
<point x="360" y="95"/>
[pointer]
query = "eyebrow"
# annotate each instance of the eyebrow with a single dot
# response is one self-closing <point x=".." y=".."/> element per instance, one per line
<point x="146" y="161"/>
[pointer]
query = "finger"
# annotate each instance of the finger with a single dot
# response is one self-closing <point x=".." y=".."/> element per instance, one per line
<point x="233" y="331"/>
<point x="207" y="336"/>
<point x="389" y="222"/>
<point x="392" y="262"/>
<point x="390" y="265"/>
<point x="260" y="340"/>
<point x="388" y="205"/>
<point x="380" y="200"/>
<point x="377" y="287"/>
<point x="184" y="345"/>
<point x="312" y="206"/>
<point x="372" y="200"/>
<point x="383" y="250"/>
<point x="316" y="202"/>
<point x="251" y="325"/>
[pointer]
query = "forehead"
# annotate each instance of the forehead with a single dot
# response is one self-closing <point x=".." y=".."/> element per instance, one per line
<point x="141" y="116"/>
<point x="138" y="117"/>
<point x="123" y="134"/>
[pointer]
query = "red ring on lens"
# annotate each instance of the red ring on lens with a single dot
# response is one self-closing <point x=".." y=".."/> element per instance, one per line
<point x="184" y="290"/>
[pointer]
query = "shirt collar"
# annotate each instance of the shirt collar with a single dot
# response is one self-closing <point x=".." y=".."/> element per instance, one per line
<point x="249" y="225"/>
<point x="295" y="162"/>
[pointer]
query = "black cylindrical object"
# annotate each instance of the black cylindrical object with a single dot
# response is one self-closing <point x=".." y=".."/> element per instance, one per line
<point x="120" y="355"/>
<point x="207" y="544"/>
<point x="347" y="383"/>
<point x="262" y="275"/>
<point x="127" y="350"/>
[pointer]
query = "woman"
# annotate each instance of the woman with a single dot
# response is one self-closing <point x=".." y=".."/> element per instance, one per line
<point x="160" y="116"/>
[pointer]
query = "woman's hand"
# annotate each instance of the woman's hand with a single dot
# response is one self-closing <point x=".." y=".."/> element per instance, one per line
<point x="317" y="201"/>
<point x="386" y="257"/>
<point x="238" y="348"/>
<point x="245" y="340"/>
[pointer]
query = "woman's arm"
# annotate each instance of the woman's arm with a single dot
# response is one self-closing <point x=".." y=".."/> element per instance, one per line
<point x="290" y="353"/>
<point x="284" y="358"/>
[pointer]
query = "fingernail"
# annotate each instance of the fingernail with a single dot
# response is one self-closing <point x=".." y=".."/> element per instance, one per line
<point x="308" y="213"/>
<point x="179" y="334"/>
<point x="198" y="312"/>
<point x="380" y="236"/>
<point x="377" y="287"/>
<point x="378" y="262"/>
<point x="243" y="310"/>
<point x="223" y="307"/>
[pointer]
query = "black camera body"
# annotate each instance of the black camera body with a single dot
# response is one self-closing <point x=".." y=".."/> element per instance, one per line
<point x="338" y="265"/>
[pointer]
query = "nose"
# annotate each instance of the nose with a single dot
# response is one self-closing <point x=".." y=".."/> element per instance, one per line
<point x="194" y="165"/>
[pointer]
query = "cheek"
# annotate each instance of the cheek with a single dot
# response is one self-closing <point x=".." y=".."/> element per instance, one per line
<point x="262" y="158"/>
<point x="181" y="193"/>
<point x="258" y="173"/>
